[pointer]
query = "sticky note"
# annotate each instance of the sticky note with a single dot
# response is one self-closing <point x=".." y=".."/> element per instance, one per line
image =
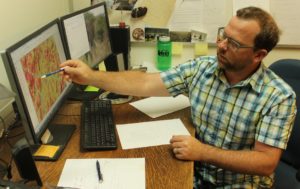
<point x="201" y="49"/>
<point x="46" y="151"/>
<point x="177" y="48"/>
<point x="91" y="89"/>
<point x="101" y="66"/>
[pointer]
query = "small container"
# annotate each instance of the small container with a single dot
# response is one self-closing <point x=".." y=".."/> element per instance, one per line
<point x="164" y="53"/>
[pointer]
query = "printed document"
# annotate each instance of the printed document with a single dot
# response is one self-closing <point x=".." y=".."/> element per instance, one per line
<point x="152" y="133"/>
<point x="158" y="106"/>
<point x="117" y="173"/>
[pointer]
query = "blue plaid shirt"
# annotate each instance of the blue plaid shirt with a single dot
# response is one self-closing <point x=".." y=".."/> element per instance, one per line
<point x="261" y="108"/>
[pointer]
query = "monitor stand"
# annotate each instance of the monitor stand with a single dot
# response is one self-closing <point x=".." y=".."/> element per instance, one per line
<point x="61" y="135"/>
<point x="78" y="93"/>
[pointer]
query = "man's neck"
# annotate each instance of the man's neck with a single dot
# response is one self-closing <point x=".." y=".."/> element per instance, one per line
<point x="234" y="77"/>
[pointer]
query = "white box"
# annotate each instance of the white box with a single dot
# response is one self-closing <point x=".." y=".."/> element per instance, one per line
<point x="6" y="113"/>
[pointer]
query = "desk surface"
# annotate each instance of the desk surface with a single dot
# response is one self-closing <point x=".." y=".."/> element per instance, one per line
<point x="163" y="170"/>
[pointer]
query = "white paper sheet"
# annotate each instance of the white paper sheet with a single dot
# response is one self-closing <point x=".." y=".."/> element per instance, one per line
<point x="77" y="36"/>
<point x="238" y="4"/>
<point x="187" y="14"/>
<point x="117" y="173"/>
<point x="286" y="13"/>
<point x="152" y="133"/>
<point x="158" y="106"/>
<point x="201" y="15"/>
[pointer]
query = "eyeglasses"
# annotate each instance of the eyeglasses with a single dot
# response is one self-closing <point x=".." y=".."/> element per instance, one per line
<point x="231" y="43"/>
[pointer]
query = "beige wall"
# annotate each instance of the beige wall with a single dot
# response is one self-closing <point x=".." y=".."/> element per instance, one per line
<point x="20" y="18"/>
<point x="79" y="4"/>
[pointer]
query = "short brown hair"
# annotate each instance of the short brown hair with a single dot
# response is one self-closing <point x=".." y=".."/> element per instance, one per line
<point x="269" y="33"/>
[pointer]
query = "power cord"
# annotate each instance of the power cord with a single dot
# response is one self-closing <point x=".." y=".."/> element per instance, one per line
<point x="5" y="167"/>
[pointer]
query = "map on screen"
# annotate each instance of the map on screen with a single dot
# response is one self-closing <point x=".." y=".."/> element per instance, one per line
<point x="40" y="60"/>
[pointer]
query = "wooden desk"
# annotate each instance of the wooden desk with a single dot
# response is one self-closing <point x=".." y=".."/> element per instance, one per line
<point x="163" y="170"/>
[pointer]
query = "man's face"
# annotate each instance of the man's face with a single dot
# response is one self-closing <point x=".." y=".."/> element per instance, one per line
<point x="235" y="46"/>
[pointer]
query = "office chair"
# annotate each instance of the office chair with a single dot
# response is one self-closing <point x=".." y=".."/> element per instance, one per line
<point x="287" y="173"/>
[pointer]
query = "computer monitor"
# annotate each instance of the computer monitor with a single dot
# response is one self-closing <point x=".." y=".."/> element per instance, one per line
<point x="87" y="37"/>
<point x="38" y="99"/>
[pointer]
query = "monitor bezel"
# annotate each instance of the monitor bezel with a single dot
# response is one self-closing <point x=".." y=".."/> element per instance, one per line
<point x="81" y="11"/>
<point x="32" y="136"/>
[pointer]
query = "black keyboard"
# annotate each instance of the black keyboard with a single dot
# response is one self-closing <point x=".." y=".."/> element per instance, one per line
<point x="97" y="126"/>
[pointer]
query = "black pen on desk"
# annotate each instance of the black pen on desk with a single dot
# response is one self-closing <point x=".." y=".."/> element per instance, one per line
<point x="52" y="73"/>
<point x="100" y="176"/>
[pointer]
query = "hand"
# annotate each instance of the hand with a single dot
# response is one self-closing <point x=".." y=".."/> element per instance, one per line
<point x="186" y="147"/>
<point x="76" y="71"/>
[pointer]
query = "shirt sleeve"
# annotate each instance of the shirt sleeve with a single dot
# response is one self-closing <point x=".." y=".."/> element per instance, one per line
<point x="178" y="80"/>
<point x="276" y="124"/>
<point x="175" y="79"/>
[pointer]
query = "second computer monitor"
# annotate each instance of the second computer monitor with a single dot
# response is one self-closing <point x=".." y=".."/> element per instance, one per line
<point x="87" y="37"/>
<point x="87" y="34"/>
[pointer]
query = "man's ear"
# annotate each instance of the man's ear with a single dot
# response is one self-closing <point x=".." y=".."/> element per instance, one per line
<point x="260" y="55"/>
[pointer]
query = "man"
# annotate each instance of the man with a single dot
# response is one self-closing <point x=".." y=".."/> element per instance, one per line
<point x="243" y="113"/>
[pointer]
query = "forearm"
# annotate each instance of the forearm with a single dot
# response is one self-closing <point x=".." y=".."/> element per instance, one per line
<point x="135" y="83"/>
<point x="248" y="162"/>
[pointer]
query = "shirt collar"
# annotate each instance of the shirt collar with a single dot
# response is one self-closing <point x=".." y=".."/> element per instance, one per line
<point x="255" y="80"/>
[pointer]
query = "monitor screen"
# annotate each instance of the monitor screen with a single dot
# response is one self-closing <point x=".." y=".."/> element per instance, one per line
<point x="87" y="34"/>
<point x="87" y="37"/>
<point x="38" y="99"/>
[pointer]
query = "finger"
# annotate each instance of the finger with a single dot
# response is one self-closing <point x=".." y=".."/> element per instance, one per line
<point x="176" y="144"/>
<point x="175" y="150"/>
<point x="71" y="71"/>
<point x="174" y="139"/>
<point x="66" y="63"/>
<point x="67" y="78"/>
<point x="71" y="63"/>
<point x="68" y="69"/>
<point x="178" y="138"/>
<point x="179" y="156"/>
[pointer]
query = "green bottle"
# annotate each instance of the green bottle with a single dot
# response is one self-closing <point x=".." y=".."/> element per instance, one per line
<point x="164" y="53"/>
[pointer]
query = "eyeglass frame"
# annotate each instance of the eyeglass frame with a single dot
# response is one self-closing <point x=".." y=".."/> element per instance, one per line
<point x="234" y="43"/>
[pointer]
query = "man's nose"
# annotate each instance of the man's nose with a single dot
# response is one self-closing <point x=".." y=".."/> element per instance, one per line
<point x="223" y="44"/>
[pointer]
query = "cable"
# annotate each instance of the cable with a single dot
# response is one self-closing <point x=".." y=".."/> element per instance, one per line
<point x="17" y="123"/>
<point x="3" y="168"/>
<point x="3" y="164"/>
<point x="16" y="135"/>
<point x="7" y="129"/>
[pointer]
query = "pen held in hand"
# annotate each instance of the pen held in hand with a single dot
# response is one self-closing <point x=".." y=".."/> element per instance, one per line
<point x="52" y="73"/>
<point x="100" y="176"/>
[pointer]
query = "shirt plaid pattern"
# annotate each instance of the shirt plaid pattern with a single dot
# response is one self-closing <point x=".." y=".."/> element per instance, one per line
<point x="261" y="108"/>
